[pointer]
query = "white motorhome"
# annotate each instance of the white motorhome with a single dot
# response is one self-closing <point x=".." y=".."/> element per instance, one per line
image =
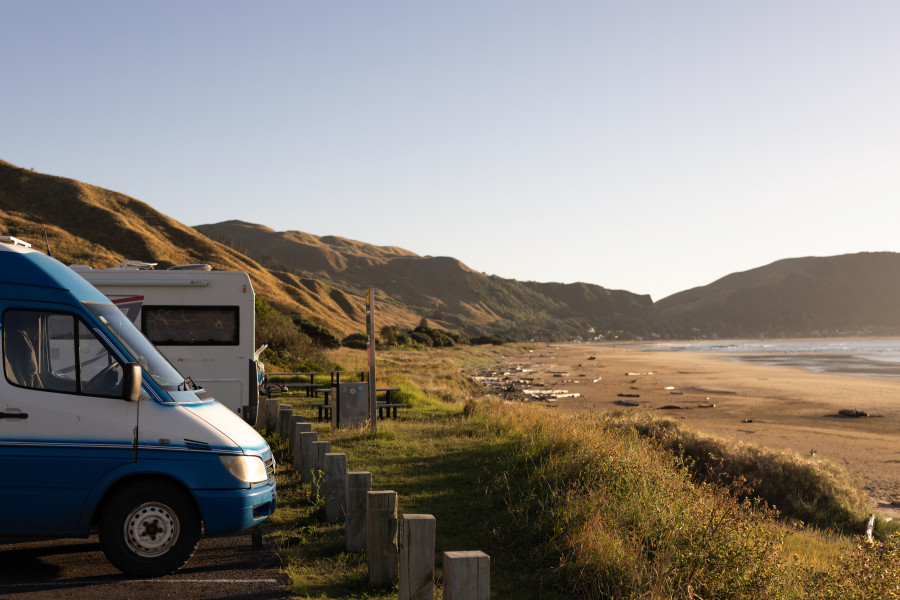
<point x="201" y="320"/>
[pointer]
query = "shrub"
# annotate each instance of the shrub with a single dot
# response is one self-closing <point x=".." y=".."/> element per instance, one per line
<point x="357" y="341"/>
<point x="288" y="347"/>
<point x="421" y="339"/>
<point x="320" y="335"/>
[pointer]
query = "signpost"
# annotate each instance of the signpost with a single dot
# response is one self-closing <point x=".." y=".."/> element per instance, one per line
<point x="370" y="353"/>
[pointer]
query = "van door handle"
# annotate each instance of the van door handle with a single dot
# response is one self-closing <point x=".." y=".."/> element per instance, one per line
<point x="4" y="415"/>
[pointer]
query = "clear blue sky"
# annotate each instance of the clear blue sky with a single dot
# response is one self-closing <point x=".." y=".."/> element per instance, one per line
<point x="647" y="146"/>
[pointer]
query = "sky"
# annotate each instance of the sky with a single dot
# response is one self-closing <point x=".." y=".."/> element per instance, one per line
<point x="648" y="146"/>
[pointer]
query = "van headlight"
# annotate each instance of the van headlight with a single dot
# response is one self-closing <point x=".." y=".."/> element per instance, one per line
<point x="249" y="469"/>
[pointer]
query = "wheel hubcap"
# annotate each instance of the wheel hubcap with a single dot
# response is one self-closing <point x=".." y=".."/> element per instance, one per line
<point x="151" y="529"/>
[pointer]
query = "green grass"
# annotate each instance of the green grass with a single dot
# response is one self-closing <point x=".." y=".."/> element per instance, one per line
<point x="572" y="506"/>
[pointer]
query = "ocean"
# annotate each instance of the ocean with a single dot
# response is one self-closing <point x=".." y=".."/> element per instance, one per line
<point x="874" y="357"/>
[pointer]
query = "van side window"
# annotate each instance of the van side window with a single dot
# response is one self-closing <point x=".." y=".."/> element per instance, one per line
<point x="57" y="352"/>
<point x="191" y="325"/>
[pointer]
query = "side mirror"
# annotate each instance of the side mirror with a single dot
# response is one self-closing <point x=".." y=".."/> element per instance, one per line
<point x="131" y="382"/>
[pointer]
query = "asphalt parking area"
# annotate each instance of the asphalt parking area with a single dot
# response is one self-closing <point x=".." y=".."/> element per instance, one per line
<point x="222" y="567"/>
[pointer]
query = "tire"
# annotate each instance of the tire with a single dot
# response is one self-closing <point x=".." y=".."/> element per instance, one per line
<point x="148" y="529"/>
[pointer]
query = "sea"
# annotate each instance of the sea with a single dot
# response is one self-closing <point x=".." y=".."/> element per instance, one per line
<point x="862" y="357"/>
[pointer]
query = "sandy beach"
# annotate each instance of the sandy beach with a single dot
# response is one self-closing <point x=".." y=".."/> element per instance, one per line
<point x="775" y="406"/>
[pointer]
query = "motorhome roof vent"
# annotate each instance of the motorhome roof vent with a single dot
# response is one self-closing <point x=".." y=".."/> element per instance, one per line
<point x="190" y="268"/>
<point x="8" y="239"/>
<point x="134" y="265"/>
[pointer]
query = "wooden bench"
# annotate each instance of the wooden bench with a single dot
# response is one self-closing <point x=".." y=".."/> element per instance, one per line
<point x="390" y="407"/>
<point x="324" y="410"/>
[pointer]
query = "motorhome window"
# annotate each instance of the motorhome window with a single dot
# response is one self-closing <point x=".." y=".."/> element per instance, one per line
<point x="191" y="325"/>
<point x="139" y="347"/>
<point x="57" y="352"/>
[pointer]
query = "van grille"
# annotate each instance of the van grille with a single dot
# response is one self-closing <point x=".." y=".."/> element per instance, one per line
<point x="270" y="468"/>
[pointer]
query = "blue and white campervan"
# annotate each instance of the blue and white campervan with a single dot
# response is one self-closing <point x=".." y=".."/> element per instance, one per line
<point x="99" y="431"/>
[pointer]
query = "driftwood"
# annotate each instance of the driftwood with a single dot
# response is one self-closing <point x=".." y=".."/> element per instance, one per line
<point x="626" y="403"/>
<point x="849" y="412"/>
<point x="628" y="395"/>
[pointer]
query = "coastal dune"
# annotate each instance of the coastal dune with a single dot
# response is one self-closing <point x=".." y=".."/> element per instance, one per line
<point x="782" y="407"/>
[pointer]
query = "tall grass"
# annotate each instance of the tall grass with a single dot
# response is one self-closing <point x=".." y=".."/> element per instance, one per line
<point x="802" y="488"/>
<point x="624" y="518"/>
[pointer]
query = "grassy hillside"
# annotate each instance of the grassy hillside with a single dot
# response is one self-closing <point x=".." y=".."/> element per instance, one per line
<point x="853" y="294"/>
<point x="443" y="289"/>
<point x="87" y="224"/>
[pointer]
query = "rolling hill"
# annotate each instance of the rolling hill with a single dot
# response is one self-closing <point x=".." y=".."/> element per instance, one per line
<point x="320" y="279"/>
<point x="850" y="294"/>
<point x="323" y="279"/>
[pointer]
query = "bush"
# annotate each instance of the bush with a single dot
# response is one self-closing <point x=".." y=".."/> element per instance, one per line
<point x="481" y="340"/>
<point x="421" y="339"/>
<point x="320" y="336"/>
<point x="357" y="341"/>
<point x="288" y="347"/>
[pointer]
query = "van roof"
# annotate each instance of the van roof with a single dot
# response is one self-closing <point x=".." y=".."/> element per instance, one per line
<point x="22" y="265"/>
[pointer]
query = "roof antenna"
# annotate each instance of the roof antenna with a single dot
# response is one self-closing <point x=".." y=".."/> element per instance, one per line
<point x="47" y="240"/>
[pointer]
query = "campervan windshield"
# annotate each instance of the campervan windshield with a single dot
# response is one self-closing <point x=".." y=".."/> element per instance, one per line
<point x="154" y="364"/>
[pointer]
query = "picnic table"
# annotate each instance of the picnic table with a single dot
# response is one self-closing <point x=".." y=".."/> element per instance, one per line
<point x="291" y="384"/>
<point x="387" y="405"/>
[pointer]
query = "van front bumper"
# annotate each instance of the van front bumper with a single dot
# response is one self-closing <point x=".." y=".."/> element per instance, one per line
<point x="228" y="511"/>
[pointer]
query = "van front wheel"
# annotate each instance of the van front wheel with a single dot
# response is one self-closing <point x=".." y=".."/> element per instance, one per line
<point x="149" y="529"/>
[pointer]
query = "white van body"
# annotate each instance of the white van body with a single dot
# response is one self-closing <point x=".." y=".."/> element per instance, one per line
<point x="98" y="431"/>
<point x="201" y="320"/>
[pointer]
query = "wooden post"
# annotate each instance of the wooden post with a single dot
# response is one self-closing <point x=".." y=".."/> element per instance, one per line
<point x="293" y="430"/>
<point x="321" y="449"/>
<point x="467" y="575"/>
<point x="298" y="445"/>
<point x="285" y="412"/>
<point x="335" y="486"/>
<point x="416" y="546"/>
<point x="381" y="537"/>
<point x="370" y="355"/>
<point x="307" y="456"/>
<point x="359" y="484"/>
<point x="262" y="414"/>
<point x="271" y="414"/>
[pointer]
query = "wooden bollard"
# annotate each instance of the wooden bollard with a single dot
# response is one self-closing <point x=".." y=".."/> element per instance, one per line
<point x="335" y="486"/>
<point x="320" y="449"/>
<point x="381" y="537"/>
<point x="416" y="546"/>
<point x="307" y="455"/>
<point x="293" y="430"/>
<point x="282" y="427"/>
<point x="262" y="413"/>
<point x="298" y="446"/>
<point x="359" y="484"/>
<point x="271" y="414"/>
<point x="467" y="575"/>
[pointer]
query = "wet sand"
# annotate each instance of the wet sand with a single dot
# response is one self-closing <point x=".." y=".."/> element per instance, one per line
<point x="775" y="406"/>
